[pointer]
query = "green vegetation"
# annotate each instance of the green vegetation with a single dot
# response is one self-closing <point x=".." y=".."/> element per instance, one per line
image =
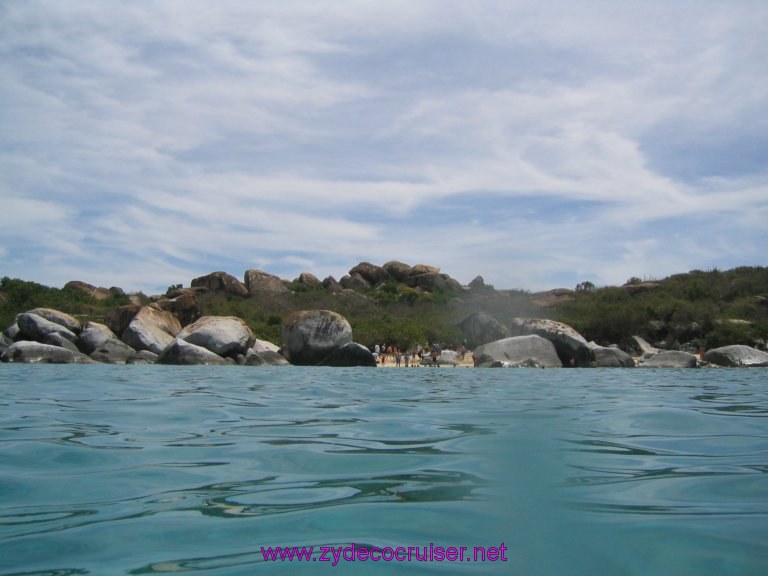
<point x="697" y="307"/>
<point x="709" y="308"/>
<point x="391" y="313"/>
<point x="19" y="296"/>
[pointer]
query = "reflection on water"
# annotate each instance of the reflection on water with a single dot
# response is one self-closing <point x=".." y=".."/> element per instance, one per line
<point x="139" y="470"/>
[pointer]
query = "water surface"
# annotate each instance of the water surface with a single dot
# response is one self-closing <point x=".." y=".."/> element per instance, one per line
<point x="192" y="470"/>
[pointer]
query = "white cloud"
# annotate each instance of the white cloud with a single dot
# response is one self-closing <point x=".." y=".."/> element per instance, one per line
<point x="528" y="143"/>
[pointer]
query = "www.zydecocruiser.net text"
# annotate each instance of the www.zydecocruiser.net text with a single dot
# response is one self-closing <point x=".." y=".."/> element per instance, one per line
<point x="358" y="553"/>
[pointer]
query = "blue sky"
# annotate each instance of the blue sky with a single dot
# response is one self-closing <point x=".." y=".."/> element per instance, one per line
<point x="538" y="144"/>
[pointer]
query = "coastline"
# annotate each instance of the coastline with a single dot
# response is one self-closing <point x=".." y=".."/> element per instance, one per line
<point x="467" y="362"/>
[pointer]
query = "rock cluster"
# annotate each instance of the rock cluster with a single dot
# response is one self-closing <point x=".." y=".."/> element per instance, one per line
<point x="543" y="343"/>
<point x="362" y="276"/>
<point x="172" y="329"/>
<point x="154" y="335"/>
<point x="420" y="276"/>
<point x="96" y="292"/>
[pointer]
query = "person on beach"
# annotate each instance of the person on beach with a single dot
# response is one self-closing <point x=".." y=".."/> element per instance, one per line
<point x="435" y="354"/>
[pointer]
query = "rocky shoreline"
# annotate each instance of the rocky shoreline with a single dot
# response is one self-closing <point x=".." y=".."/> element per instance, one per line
<point x="315" y="338"/>
<point x="171" y="329"/>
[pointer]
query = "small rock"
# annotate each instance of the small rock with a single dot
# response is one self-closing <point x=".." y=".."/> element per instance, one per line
<point x="181" y="352"/>
<point x="113" y="351"/>
<point x="28" y="352"/>
<point x="671" y="359"/>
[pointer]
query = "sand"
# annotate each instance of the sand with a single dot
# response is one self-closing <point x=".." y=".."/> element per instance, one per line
<point x="466" y="363"/>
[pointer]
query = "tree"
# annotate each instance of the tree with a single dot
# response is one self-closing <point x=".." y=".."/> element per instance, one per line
<point x="586" y="286"/>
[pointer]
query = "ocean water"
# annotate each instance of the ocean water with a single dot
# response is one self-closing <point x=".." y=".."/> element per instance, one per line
<point x="198" y="470"/>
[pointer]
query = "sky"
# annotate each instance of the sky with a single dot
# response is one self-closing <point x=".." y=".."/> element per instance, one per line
<point x="536" y="144"/>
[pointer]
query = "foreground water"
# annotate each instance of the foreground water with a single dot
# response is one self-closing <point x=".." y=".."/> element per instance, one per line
<point x="157" y="470"/>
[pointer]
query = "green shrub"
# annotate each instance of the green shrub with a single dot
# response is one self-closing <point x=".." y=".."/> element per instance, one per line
<point x="727" y="333"/>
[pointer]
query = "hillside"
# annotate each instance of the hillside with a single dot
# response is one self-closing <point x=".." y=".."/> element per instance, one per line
<point x="399" y="304"/>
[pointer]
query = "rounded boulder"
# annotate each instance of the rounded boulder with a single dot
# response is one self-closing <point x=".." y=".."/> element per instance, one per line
<point x="222" y="335"/>
<point x="310" y="336"/>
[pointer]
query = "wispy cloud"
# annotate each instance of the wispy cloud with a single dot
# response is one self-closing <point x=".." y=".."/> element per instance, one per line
<point x="143" y="144"/>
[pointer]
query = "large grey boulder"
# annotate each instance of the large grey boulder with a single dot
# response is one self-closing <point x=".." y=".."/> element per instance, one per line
<point x="184" y="353"/>
<point x="477" y="283"/>
<point x="93" y="336"/>
<point x="142" y="357"/>
<point x="62" y="318"/>
<point x="264" y="346"/>
<point x="5" y="342"/>
<point x="428" y="278"/>
<point x="532" y="350"/>
<point x="264" y="353"/>
<point x="310" y="336"/>
<point x="56" y="339"/>
<point x="642" y="347"/>
<point x="264" y="358"/>
<point x="608" y="357"/>
<point x="112" y="351"/>
<point x="330" y="284"/>
<point x="350" y="354"/>
<point x="354" y="282"/>
<point x="452" y="284"/>
<point x="428" y="281"/>
<point x="309" y="280"/>
<point x="27" y="352"/>
<point x="118" y="319"/>
<point x="36" y="328"/>
<point x="372" y="274"/>
<point x="398" y="270"/>
<point x="572" y="347"/>
<point x="480" y="328"/>
<point x="671" y="359"/>
<point x="258" y="282"/>
<point x="182" y="303"/>
<point x="736" y="355"/>
<point x="419" y="269"/>
<point x="91" y="290"/>
<point x="12" y="331"/>
<point x="450" y="357"/>
<point x="151" y="329"/>
<point x="446" y="358"/>
<point x="221" y="283"/>
<point x="222" y="335"/>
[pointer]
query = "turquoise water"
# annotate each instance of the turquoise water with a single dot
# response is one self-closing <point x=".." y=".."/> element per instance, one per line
<point x="192" y="470"/>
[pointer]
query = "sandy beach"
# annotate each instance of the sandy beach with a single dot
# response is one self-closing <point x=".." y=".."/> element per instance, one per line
<point x="390" y="363"/>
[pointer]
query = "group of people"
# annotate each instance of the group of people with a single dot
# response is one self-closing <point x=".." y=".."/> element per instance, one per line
<point x="409" y="358"/>
<point x="383" y="351"/>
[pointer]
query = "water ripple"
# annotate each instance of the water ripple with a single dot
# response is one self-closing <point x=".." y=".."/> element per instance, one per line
<point x="149" y="470"/>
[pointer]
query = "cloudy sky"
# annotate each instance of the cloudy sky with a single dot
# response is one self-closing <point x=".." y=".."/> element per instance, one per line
<point x="538" y="144"/>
